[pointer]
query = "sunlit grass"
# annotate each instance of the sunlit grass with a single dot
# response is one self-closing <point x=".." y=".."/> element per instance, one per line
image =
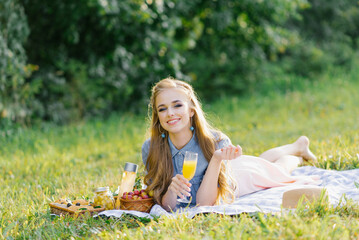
<point x="47" y="162"/>
<point x="326" y="112"/>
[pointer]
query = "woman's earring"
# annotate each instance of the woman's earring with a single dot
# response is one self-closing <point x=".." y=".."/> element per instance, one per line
<point x="163" y="135"/>
<point x="191" y="128"/>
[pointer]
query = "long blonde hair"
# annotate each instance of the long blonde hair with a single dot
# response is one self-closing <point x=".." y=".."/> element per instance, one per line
<point x="159" y="161"/>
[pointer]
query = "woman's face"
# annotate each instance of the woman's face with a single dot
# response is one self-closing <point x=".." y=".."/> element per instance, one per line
<point x="173" y="110"/>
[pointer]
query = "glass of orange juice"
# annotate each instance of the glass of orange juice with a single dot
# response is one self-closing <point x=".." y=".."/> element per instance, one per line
<point x="189" y="169"/>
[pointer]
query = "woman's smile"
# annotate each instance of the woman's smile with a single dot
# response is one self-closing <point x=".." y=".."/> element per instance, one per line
<point x="173" y="121"/>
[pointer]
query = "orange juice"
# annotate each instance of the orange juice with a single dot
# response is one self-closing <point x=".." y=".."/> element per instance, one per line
<point x="189" y="169"/>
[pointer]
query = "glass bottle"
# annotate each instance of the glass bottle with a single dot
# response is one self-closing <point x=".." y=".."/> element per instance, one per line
<point x="127" y="181"/>
<point x="103" y="197"/>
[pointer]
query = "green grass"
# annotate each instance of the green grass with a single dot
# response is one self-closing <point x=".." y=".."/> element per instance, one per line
<point x="44" y="163"/>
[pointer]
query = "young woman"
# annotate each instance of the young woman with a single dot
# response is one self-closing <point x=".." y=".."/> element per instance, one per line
<point x="178" y="125"/>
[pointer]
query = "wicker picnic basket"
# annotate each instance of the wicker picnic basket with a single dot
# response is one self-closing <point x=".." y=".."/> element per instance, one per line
<point x="62" y="210"/>
<point x="142" y="205"/>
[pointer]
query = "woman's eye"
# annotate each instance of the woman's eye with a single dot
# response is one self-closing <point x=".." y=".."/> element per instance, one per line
<point x="161" y="109"/>
<point x="178" y="105"/>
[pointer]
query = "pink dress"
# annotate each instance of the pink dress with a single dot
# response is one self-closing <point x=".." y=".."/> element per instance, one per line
<point x="254" y="173"/>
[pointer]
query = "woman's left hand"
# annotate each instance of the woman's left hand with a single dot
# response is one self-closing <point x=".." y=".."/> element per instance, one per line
<point x="228" y="153"/>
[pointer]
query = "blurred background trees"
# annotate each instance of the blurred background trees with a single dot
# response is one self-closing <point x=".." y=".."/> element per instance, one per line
<point x="64" y="60"/>
<point x="14" y="91"/>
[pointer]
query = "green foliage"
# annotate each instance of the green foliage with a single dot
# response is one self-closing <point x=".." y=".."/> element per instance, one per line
<point x="330" y="32"/>
<point x="14" y="90"/>
<point x="99" y="56"/>
<point x="331" y="20"/>
<point x="95" y="57"/>
<point x="306" y="59"/>
<point x="238" y="37"/>
<point x="64" y="61"/>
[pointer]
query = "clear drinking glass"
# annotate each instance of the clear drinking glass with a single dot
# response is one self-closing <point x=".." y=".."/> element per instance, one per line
<point x="189" y="169"/>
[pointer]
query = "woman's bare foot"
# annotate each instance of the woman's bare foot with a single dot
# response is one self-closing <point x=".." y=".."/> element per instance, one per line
<point x="303" y="149"/>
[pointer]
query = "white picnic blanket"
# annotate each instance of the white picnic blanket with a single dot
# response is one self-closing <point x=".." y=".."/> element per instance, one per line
<point x="337" y="183"/>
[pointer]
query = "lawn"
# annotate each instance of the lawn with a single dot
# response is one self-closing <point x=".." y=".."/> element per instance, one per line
<point x="47" y="162"/>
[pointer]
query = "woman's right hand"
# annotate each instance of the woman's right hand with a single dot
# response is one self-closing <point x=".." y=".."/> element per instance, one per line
<point x="180" y="186"/>
<point x="228" y="153"/>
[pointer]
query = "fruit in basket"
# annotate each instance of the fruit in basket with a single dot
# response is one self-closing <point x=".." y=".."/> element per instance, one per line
<point x="150" y="193"/>
<point x="138" y="200"/>
<point x="144" y="195"/>
<point x="136" y="195"/>
<point x="124" y="195"/>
